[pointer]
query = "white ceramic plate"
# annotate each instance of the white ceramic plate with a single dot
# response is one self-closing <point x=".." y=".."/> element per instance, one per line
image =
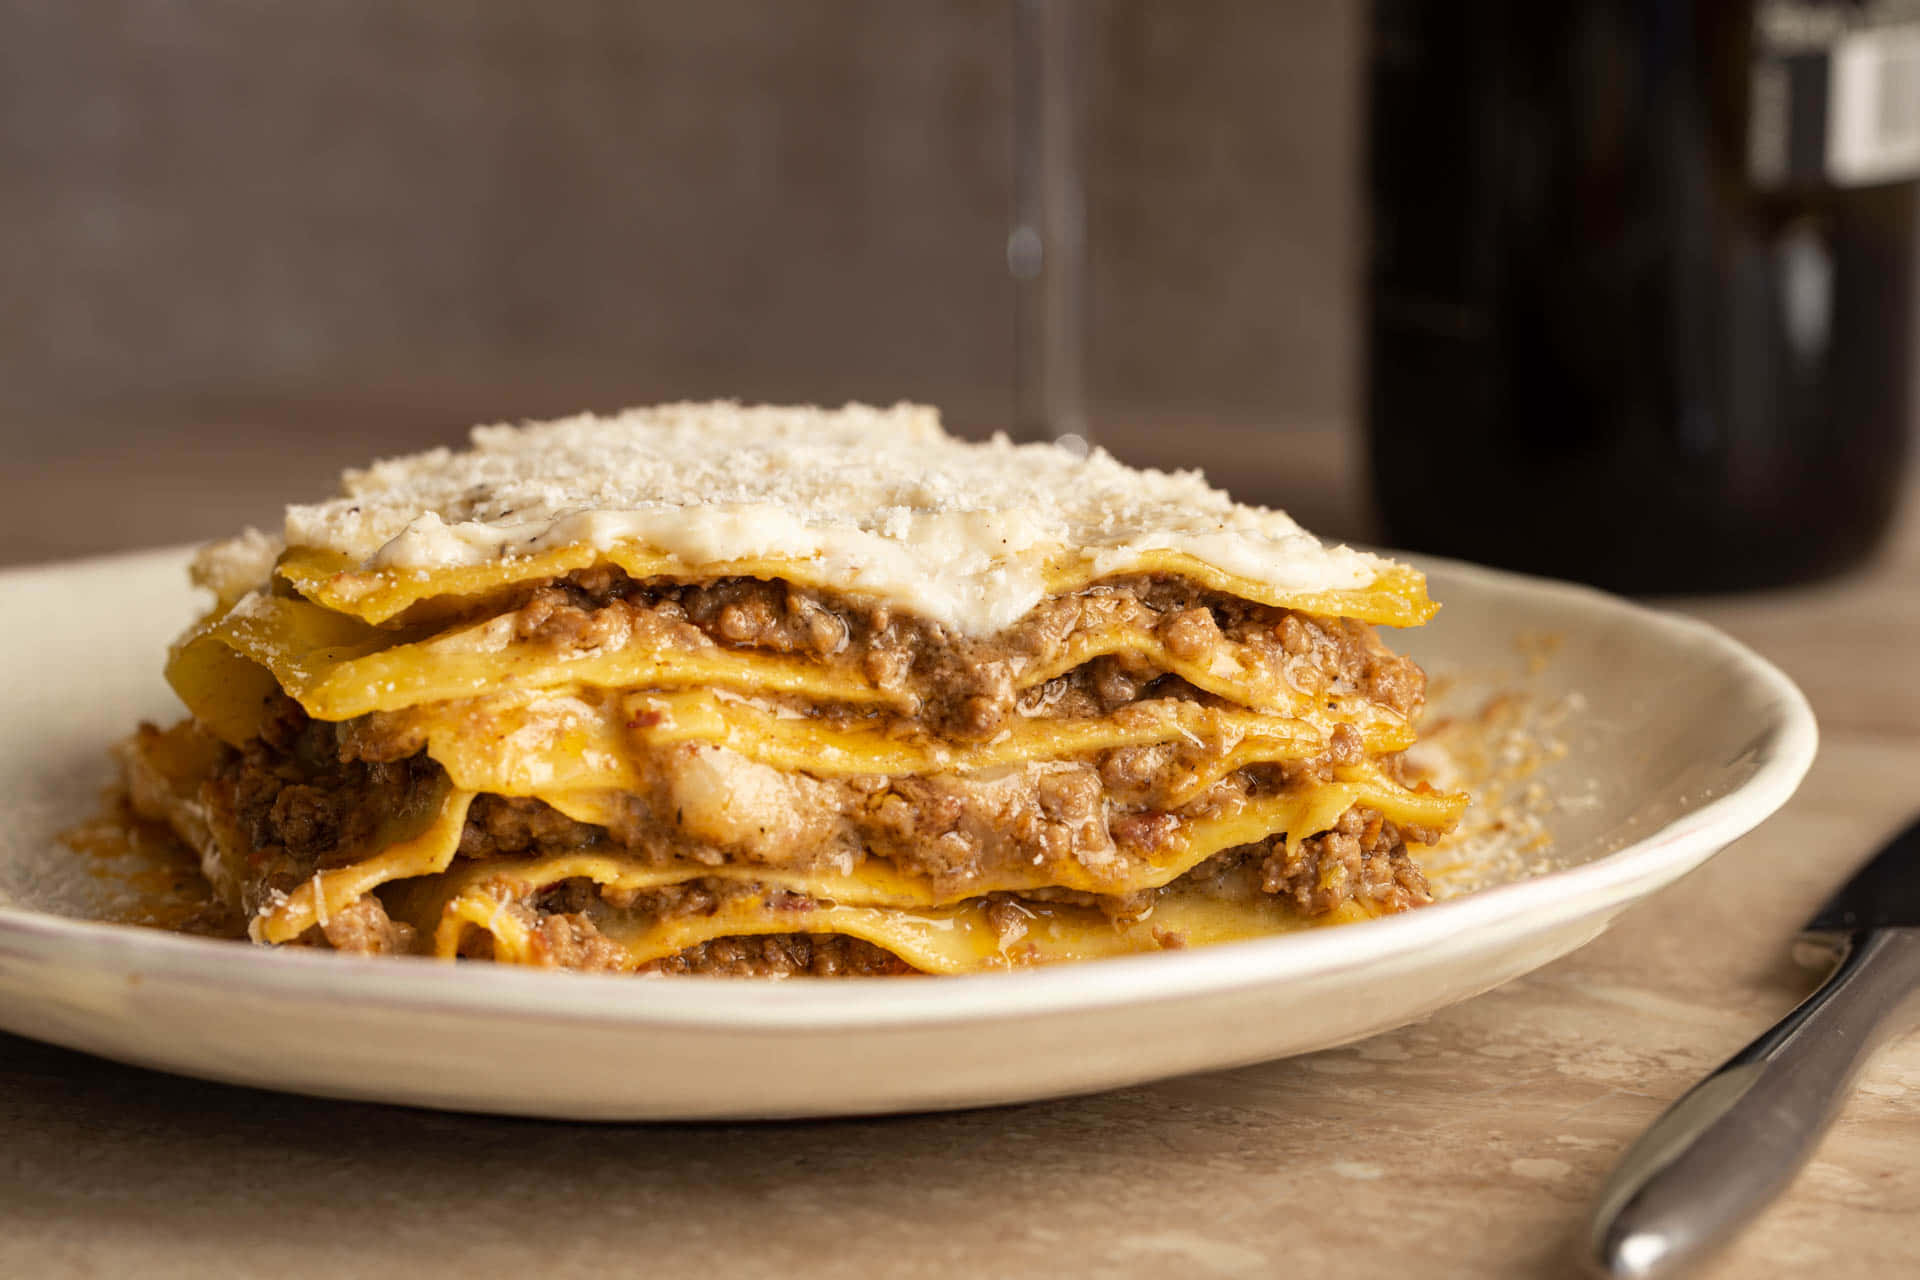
<point x="1686" y="741"/>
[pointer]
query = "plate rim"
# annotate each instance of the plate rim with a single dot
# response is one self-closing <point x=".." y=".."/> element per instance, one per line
<point x="1786" y="749"/>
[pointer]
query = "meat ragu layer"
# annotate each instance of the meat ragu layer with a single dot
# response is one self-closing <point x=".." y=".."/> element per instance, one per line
<point x="964" y="687"/>
<point x="308" y="796"/>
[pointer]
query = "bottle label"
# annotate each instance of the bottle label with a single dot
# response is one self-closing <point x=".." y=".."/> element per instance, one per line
<point x="1834" y="93"/>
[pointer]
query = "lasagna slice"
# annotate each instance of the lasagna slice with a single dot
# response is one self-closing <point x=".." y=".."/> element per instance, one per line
<point x="755" y="690"/>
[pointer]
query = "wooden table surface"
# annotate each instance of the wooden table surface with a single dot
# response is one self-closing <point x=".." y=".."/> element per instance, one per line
<point x="1469" y="1144"/>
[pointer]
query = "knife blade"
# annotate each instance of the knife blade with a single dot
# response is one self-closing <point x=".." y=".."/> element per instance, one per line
<point x="1733" y="1142"/>
<point x="1885" y="893"/>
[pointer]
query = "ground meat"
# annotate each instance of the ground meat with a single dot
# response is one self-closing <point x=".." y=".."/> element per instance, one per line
<point x="287" y="804"/>
<point x="1132" y="773"/>
<point x="1191" y="634"/>
<point x="784" y="955"/>
<point x="665" y="902"/>
<point x="1345" y="746"/>
<point x="575" y="942"/>
<point x="597" y="607"/>
<point x="500" y="825"/>
<point x="382" y="736"/>
<point x="1363" y="858"/>
<point x="1346" y="656"/>
<point x="365" y="928"/>
<point x="1115" y="682"/>
<point x="767" y="615"/>
<point x="956" y="831"/>
<point x="1148" y="831"/>
<point x="553" y="617"/>
<point x="1119" y="907"/>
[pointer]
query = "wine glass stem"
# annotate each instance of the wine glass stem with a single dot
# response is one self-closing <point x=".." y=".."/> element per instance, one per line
<point x="1046" y="251"/>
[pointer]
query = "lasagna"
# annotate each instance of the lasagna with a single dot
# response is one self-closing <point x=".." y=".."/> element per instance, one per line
<point x="769" y="691"/>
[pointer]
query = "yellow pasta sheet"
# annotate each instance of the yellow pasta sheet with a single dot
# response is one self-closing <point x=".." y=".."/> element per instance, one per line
<point x="942" y="940"/>
<point x="1397" y="598"/>
<point x="556" y="744"/>
<point x="338" y="668"/>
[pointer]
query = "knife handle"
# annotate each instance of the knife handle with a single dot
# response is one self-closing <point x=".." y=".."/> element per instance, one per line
<point x="1734" y="1141"/>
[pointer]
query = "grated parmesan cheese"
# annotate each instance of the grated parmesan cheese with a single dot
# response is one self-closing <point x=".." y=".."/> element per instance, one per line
<point x="881" y="499"/>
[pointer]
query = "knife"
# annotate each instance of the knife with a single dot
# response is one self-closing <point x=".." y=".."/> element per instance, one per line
<point x="1734" y="1141"/>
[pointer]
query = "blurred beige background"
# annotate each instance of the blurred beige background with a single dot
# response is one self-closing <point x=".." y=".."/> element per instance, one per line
<point x="243" y="245"/>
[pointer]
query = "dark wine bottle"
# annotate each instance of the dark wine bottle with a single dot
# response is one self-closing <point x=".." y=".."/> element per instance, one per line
<point x="1641" y="284"/>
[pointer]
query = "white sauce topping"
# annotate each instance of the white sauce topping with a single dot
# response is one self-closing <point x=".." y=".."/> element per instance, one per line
<point x="882" y="500"/>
